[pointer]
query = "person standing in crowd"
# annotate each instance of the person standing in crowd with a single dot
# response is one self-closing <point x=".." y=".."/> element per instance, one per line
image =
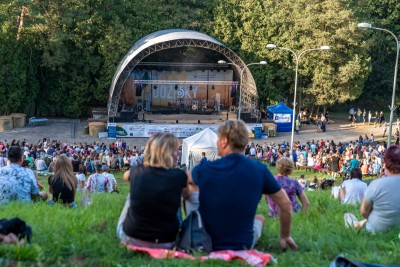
<point x="377" y="117"/>
<point x="359" y="113"/>
<point x="17" y="182"/>
<point x="232" y="199"/>
<point x="284" y="168"/>
<point x="63" y="184"/>
<point x="351" y="115"/>
<point x="384" y="128"/>
<point x="381" y="118"/>
<point x="298" y="123"/>
<point x="380" y="206"/>
<point x="364" y="115"/>
<point x="323" y="123"/>
<point x="334" y="168"/>
<point x="149" y="217"/>
<point x="369" y="117"/>
<point x="203" y="158"/>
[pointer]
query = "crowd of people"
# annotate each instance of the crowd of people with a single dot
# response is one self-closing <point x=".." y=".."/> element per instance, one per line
<point x="226" y="191"/>
<point x="333" y="158"/>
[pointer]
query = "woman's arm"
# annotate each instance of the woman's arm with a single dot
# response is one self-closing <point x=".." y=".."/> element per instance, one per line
<point x="342" y="193"/>
<point x="126" y="175"/>
<point x="365" y="208"/>
<point x="51" y="192"/>
<point x="305" y="204"/>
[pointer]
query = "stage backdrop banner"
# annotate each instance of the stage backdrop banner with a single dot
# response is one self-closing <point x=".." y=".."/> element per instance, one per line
<point x="179" y="130"/>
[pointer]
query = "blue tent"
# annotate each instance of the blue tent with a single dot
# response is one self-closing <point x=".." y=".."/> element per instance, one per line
<point x="282" y="117"/>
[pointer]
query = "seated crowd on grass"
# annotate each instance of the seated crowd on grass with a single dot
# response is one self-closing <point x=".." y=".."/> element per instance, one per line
<point x="333" y="158"/>
<point x="226" y="192"/>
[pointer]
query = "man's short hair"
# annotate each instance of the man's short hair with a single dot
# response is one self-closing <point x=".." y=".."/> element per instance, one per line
<point x="14" y="154"/>
<point x="98" y="167"/>
<point x="236" y="133"/>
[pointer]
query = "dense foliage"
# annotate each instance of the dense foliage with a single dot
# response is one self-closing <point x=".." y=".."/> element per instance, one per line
<point x="58" y="57"/>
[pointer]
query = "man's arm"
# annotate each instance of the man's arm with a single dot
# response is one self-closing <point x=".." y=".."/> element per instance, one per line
<point x="191" y="186"/>
<point x="285" y="218"/>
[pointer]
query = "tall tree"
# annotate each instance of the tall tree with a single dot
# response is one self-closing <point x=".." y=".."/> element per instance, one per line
<point x="326" y="77"/>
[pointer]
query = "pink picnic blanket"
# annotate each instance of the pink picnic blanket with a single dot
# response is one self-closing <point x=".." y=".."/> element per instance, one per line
<point x="251" y="257"/>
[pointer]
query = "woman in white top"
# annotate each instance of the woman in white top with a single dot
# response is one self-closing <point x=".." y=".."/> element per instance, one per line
<point x="311" y="160"/>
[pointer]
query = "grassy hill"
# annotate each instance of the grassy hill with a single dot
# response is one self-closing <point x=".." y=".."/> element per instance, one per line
<point x="86" y="236"/>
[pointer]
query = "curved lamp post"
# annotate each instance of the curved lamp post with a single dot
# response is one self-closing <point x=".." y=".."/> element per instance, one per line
<point x="366" y="26"/>
<point x="241" y="79"/>
<point x="297" y="58"/>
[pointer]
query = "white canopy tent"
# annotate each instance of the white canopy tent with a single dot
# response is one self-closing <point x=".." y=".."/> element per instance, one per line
<point x="204" y="141"/>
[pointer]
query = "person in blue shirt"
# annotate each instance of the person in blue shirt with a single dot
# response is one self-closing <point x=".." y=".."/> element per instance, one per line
<point x="230" y="189"/>
<point x="203" y="158"/>
<point x="16" y="182"/>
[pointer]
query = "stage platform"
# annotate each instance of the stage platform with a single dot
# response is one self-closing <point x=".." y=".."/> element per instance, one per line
<point x="182" y="125"/>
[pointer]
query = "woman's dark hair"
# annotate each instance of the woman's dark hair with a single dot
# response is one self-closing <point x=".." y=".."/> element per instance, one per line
<point x="26" y="163"/>
<point x="356" y="173"/>
<point x="392" y="159"/>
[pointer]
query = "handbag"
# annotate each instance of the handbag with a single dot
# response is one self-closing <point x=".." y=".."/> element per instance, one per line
<point x="193" y="235"/>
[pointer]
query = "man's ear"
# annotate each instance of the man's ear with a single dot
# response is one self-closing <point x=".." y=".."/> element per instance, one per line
<point x="224" y="142"/>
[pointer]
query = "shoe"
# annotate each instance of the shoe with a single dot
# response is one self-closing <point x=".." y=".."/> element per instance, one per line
<point x="350" y="220"/>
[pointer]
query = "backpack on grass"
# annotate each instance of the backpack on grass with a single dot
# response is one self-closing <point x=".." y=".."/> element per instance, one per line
<point x="193" y="236"/>
<point x="17" y="227"/>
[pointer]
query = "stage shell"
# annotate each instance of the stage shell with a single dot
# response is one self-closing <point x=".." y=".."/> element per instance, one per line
<point x="174" y="38"/>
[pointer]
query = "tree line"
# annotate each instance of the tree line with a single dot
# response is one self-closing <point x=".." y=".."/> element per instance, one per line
<point x="58" y="57"/>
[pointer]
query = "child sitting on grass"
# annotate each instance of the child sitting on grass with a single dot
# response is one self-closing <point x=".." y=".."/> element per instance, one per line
<point x="284" y="168"/>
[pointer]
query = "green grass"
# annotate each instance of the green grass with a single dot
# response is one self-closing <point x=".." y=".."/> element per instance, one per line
<point x="86" y="236"/>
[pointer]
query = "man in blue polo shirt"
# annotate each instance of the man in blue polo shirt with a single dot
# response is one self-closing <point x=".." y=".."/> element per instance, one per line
<point x="230" y="189"/>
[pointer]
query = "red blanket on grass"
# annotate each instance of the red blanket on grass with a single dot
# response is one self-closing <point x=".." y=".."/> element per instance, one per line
<point x="251" y="257"/>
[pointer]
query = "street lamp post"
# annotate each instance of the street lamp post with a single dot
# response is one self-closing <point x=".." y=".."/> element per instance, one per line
<point x="392" y="107"/>
<point x="241" y="79"/>
<point x="297" y="57"/>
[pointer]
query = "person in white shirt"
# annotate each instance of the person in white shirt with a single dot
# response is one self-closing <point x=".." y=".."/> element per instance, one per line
<point x="81" y="178"/>
<point x="303" y="182"/>
<point x="253" y="151"/>
<point x="40" y="164"/>
<point x="133" y="160"/>
<point x="112" y="182"/>
<point x="352" y="191"/>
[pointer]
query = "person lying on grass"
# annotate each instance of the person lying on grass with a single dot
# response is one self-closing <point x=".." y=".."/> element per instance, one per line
<point x="380" y="205"/>
<point x="284" y="168"/>
<point x="150" y="215"/>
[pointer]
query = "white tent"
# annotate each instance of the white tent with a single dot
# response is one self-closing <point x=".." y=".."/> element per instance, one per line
<point x="204" y="141"/>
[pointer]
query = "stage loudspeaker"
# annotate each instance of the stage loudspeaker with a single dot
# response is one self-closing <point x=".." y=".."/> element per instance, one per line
<point x="139" y="90"/>
<point x="177" y="121"/>
<point x="233" y="92"/>
<point x="245" y="116"/>
<point x="139" y="108"/>
<point x="198" y="121"/>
